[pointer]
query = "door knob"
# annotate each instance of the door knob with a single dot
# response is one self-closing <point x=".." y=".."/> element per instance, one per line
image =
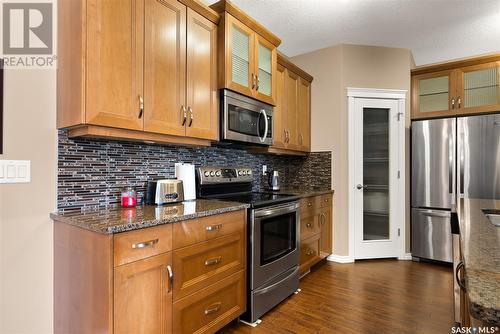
<point x="360" y="186"/>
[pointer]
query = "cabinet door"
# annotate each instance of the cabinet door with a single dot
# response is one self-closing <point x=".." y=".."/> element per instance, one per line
<point x="434" y="95"/>
<point x="265" y="69"/>
<point x="114" y="63"/>
<point x="143" y="296"/>
<point x="325" y="223"/>
<point x="291" y="93"/>
<point x="478" y="88"/>
<point x="304" y="115"/>
<point x="239" y="71"/>
<point x="165" y="67"/>
<point x="279" y="114"/>
<point x="203" y="111"/>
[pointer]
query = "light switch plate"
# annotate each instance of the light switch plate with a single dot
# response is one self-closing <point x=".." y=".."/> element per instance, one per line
<point x="15" y="171"/>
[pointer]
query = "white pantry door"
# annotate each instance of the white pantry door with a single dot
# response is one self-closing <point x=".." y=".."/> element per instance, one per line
<point x="377" y="164"/>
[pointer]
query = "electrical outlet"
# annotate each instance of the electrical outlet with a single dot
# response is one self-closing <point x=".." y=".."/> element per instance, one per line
<point x="15" y="171"/>
<point x="264" y="169"/>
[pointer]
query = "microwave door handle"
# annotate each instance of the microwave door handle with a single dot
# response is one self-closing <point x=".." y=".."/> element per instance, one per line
<point x="266" y="126"/>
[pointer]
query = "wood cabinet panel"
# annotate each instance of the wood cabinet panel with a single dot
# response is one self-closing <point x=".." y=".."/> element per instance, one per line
<point x="304" y="115"/>
<point x="201" y="100"/>
<point x="211" y="308"/>
<point x="325" y="223"/>
<point x="291" y="94"/>
<point x="202" y="264"/>
<point x="279" y="114"/>
<point x="114" y="63"/>
<point x="140" y="244"/>
<point x="309" y="253"/>
<point x="309" y="206"/>
<point x="143" y="296"/>
<point x="165" y="67"/>
<point x="309" y="226"/>
<point x="193" y="231"/>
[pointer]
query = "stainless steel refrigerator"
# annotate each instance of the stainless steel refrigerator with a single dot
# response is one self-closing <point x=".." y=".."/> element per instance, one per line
<point x="451" y="158"/>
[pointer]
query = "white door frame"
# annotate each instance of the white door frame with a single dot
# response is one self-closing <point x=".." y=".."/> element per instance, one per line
<point x="400" y="96"/>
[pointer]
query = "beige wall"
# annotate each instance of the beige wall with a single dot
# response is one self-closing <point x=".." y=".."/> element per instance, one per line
<point x="334" y="69"/>
<point x="25" y="228"/>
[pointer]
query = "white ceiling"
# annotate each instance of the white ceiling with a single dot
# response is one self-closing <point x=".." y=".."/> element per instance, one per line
<point x="434" y="30"/>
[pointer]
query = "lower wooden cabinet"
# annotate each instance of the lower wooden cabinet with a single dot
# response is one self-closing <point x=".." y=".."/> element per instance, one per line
<point x="315" y="230"/>
<point x="143" y="282"/>
<point x="143" y="296"/>
<point x="210" y="309"/>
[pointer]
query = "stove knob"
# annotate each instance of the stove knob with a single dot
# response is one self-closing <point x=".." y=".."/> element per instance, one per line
<point x="218" y="173"/>
<point x="207" y="174"/>
<point x="212" y="173"/>
<point x="240" y="173"/>
<point x="249" y="173"/>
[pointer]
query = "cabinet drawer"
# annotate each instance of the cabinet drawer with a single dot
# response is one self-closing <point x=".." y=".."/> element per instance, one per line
<point x="136" y="245"/>
<point x="326" y="200"/>
<point x="197" y="230"/>
<point x="208" y="262"/>
<point x="212" y="308"/>
<point x="309" y="253"/>
<point x="309" y="226"/>
<point x="309" y="205"/>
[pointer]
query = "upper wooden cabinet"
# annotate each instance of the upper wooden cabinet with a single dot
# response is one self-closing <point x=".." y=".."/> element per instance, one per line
<point x="247" y="54"/>
<point x="456" y="89"/>
<point x="144" y="65"/>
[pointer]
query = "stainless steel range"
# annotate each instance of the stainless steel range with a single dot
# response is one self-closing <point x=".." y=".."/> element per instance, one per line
<point x="273" y="236"/>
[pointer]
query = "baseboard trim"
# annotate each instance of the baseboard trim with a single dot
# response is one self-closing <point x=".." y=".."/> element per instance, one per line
<point x="405" y="257"/>
<point x="340" y="258"/>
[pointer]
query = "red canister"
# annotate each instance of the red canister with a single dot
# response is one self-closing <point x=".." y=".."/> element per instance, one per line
<point x="129" y="197"/>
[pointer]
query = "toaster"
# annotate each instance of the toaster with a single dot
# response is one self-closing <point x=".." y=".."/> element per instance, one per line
<point x="165" y="191"/>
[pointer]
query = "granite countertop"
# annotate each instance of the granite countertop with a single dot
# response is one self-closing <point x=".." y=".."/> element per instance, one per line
<point x="116" y="220"/>
<point x="480" y="245"/>
<point x="305" y="192"/>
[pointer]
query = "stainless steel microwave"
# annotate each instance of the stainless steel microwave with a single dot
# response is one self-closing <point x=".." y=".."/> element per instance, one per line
<point x="245" y="120"/>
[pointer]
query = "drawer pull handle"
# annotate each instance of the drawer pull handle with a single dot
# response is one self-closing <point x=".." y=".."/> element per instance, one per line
<point x="145" y="244"/>
<point x="213" y="261"/>
<point x="170" y="278"/>
<point x="214" y="227"/>
<point x="309" y="252"/>
<point x="309" y="225"/>
<point x="215" y="307"/>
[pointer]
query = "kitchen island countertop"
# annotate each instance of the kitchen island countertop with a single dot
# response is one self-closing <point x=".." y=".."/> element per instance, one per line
<point x="480" y="246"/>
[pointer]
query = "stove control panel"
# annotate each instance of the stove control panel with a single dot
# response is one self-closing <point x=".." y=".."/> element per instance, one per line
<point x="216" y="175"/>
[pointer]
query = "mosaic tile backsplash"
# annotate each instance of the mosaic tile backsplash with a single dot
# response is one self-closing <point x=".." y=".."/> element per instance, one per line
<point x="92" y="172"/>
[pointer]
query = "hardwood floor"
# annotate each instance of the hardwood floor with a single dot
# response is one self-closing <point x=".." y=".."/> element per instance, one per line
<point x="375" y="296"/>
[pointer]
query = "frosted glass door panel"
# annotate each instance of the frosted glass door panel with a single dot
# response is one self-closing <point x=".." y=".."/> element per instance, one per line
<point x="240" y="56"/>
<point x="376" y="174"/>
<point x="481" y="88"/>
<point x="265" y="70"/>
<point x="434" y="94"/>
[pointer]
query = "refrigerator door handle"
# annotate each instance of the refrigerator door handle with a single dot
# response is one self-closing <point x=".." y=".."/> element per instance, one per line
<point x="461" y="153"/>
<point x="436" y="214"/>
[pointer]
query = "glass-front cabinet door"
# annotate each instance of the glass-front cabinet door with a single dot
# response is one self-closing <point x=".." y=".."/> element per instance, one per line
<point x="265" y="69"/>
<point x="478" y="88"/>
<point x="240" y="74"/>
<point x="433" y="95"/>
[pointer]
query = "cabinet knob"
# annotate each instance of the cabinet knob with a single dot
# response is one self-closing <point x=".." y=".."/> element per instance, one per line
<point x="184" y="113"/>
<point x="309" y="225"/>
<point x="459" y="102"/>
<point x="191" y="116"/>
<point x="170" y="278"/>
<point x="453" y="103"/>
<point x="141" y="106"/>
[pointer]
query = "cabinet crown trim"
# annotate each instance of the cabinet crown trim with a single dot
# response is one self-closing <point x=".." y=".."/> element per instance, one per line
<point x="286" y="62"/>
<point x="227" y="6"/>
<point x="202" y="9"/>
<point x="451" y="65"/>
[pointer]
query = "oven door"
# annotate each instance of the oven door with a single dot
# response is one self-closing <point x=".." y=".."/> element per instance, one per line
<point x="274" y="242"/>
<point x="246" y="120"/>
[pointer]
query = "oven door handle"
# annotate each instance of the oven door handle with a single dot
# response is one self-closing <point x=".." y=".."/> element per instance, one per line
<point x="266" y="126"/>
<point x="276" y="211"/>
